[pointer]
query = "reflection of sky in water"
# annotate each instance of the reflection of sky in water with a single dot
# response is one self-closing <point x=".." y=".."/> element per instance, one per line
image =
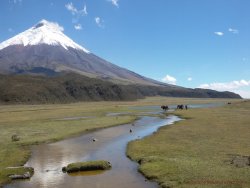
<point x="75" y="118"/>
<point x="48" y="159"/>
<point x="158" y="108"/>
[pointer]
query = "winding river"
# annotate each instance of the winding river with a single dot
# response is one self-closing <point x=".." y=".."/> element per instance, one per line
<point x="48" y="159"/>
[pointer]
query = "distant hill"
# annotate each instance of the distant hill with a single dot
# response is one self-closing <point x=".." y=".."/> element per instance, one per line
<point x="66" y="88"/>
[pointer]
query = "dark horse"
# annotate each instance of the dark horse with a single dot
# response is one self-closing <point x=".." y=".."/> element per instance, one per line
<point x="164" y="107"/>
<point x="180" y="106"/>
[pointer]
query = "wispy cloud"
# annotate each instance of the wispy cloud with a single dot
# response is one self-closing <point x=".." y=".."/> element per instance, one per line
<point x="234" y="31"/>
<point x="70" y="7"/>
<point x="85" y="9"/>
<point x="227" y="86"/>
<point x="243" y="93"/>
<point x="77" y="14"/>
<point x="78" y="27"/>
<point x="234" y="86"/>
<point x="190" y="79"/>
<point x="99" y="22"/>
<point x="169" y="79"/>
<point x="219" y="33"/>
<point x="74" y="11"/>
<point x="114" y="2"/>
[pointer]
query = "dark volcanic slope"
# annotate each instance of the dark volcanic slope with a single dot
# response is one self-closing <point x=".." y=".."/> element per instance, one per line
<point x="74" y="87"/>
<point x="18" y="59"/>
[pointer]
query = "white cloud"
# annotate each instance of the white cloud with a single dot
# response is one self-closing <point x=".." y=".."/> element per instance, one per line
<point x="70" y="7"/>
<point x="190" y="79"/>
<point x="85" y="10"/>
<point x="243" y="93"/>
<point x="74" y="11"/>
<point x="226" y="86"/>
<point x="219" y="33"/>
<point x="169" y="79"/>
<point x="114" y="2"/>
<point x="233" y="86"/>
<point x="78" y="27"/>
<point x="234" y="31"/>
<point x="77" y="14"/>
<point x="99" y="22"/>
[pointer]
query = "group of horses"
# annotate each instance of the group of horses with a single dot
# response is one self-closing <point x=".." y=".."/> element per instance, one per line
<point x="179" y="106"/>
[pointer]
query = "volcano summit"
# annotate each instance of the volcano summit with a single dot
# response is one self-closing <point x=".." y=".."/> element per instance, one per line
<point x="45" y="49"/>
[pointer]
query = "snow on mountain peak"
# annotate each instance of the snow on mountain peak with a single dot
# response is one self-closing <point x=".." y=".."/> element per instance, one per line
<point x="44" y="32"/>
<point x="51" y="25"/>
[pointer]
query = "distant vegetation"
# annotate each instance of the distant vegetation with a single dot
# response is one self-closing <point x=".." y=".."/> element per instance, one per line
<point x="67" y="88"/>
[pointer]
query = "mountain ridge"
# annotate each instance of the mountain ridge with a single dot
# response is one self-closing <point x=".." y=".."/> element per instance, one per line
<point x="67" y="88"/>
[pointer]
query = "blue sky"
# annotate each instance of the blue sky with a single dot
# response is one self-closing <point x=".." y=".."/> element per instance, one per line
<point x="191" y="43"/>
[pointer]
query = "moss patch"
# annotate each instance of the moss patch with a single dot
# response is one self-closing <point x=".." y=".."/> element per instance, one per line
<point x="87" y="166"/>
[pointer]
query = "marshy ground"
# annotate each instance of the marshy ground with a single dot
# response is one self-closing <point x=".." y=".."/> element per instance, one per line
<point x="47" y="123"/>
<point x="208" y="149"/>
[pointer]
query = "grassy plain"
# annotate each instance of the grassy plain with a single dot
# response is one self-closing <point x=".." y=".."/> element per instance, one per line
<point x="35" y="124"/>
<point x="199" y="151"/>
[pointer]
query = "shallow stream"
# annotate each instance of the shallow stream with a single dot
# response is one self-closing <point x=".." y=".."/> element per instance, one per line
<point x="48" y="159"/>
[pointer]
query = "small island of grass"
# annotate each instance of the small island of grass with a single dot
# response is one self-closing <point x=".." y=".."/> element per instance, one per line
<point x="87" y="166"/>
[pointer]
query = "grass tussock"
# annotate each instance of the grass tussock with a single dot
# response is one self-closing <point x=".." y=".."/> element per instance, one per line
<point x="209" y="149"/>
<point x="87" y="166"/>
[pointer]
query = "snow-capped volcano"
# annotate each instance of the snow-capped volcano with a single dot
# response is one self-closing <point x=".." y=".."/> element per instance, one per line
<point x="43" y="33"/>
<point x="45" y="49"/>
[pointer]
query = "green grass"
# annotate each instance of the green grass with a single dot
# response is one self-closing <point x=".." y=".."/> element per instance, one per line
<point x="87" y="166"/>
<point x="35" y="124"/>
<point x="197" y="152"/>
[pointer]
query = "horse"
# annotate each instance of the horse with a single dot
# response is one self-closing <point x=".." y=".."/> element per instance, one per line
<point x="164" y="107"/>
<point x="180" y="106"/>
